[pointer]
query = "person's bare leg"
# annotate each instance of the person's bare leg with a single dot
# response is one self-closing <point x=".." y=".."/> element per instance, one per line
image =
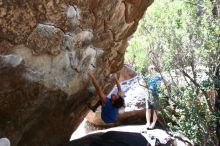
<point x="154" y="119"/>
<point x="148" y="117"/>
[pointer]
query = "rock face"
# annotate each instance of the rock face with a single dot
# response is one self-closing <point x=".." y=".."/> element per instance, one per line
<point x="46" y="51"/>
<point x="126" y="73"/>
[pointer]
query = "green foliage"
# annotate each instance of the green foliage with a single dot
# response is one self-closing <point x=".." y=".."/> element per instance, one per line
<point x="136" y="55"/>
<point x="176" y="35"/>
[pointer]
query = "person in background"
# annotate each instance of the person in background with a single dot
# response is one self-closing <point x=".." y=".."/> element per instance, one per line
<point x="153" y="81"/>
<point x="110" y="106"/>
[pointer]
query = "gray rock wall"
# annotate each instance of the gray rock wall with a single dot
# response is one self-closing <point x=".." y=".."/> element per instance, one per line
<point x="46" y="51"/>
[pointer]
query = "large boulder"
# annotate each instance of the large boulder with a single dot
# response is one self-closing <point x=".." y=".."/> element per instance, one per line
<point x="126" y="73"/>
<point x="46" y="51"/>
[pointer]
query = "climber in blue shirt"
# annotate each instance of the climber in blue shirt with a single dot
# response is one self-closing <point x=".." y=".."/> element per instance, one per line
<point x="111" y="105"/>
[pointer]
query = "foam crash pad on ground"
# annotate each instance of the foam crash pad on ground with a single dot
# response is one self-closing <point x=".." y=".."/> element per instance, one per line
<point x="111" y="138"/>
<point x="131" y="135"/>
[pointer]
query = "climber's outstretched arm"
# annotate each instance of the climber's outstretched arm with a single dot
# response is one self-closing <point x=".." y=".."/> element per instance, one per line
<point x="98" y="88"/>
<point x="118" y="86"/>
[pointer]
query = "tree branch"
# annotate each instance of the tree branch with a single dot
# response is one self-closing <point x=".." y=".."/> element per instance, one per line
<point x="199" y="87"/>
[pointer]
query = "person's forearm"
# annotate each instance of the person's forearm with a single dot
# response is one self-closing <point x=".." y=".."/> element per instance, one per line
<point x="119" y="87"/>
<point x="94" y="82"/>
<point x="98" y="89"/>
